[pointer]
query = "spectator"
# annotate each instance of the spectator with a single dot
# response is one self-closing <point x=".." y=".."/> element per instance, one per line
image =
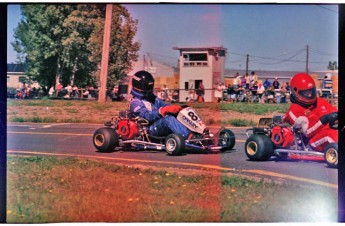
<point x="51" y="91"/>
<point x="115" y="93"/>
<point x="27" y="91"/>
<point x="327" y="82"/>
<point x="75" y="92"/>
<point x="247" y="81"/>
<point x="260" y="92"/>
<point x="86" y="93"/>
<point x="231" y="92"/>
<point x="200" y="92"/>
<point x="58" y="89"/>
<point x="191" y="92"/>
<point x="165" y="93"/>
<point x="283" y="91"/>
<point x="270" y="94"/>
<point x="69" y="89"/>
<point x="92" y="91"/>
<point x="276" y="83"/>
<point x="218" y="93"/>
<point x="23" y="91"/>
<point x="253" y="78"/>
<point x="243" y="81"/>
<point x="266" y="83"/>
<point x="240" y="93"/>
<point x="288" y="88"/>
<point x="175" y="96"/>
<point x="253" y="90"/>
<point x="236" y="81"/>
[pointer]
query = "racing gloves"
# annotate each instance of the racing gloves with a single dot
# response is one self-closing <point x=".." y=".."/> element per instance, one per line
<point x="331" y="118"/>
<point x="169" y="110"/>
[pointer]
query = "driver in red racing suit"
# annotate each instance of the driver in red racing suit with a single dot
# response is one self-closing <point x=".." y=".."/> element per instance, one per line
<point x="317" y="119"/>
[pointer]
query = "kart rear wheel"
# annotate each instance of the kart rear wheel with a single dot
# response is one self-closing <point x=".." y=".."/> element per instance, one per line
<point x="174" y="144"/>
<point x="105" y="139"/>
<point x="258" y="147"/>
<point x="227" y="139"/>
<point x="331" y="155"/>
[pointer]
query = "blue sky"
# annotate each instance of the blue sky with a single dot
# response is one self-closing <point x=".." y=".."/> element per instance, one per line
<point x="275" y="36"/>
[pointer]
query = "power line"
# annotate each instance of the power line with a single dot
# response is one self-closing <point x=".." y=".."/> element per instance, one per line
<point x="322" y="52"/>
<point x="282" y="60"/>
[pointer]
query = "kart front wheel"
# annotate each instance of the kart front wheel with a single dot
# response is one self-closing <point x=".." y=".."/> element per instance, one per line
<point x="331" y="155"/>
<point x="226" y="139"/>
<point x="105" y="139"/>
<point x="174" y="144"/>
<point x="259" y="147"/>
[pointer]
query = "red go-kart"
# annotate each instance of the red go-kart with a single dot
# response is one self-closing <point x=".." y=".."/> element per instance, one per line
<point x="272" y="137"/>
<point x="126" y="133"/>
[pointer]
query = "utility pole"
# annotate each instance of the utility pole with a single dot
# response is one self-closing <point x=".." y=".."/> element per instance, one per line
<point x="247" y="63"/>
<point x="105" y="53"/>
<point x="307" y="61"/>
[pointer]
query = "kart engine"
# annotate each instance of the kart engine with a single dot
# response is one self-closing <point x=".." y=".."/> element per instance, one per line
<point x="127" y="129"/>
<point x="282" y="136"/>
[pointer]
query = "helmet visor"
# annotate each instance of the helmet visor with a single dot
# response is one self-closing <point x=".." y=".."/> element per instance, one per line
<point x="148" y="88"/>
<point x="308" y="94"/>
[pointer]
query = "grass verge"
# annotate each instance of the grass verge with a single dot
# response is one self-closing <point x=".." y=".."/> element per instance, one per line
<point x="52" y="189"/>
<point x="73" y="111"/>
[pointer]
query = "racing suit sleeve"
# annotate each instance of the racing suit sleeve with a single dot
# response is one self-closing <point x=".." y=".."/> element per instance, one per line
<point x="139" y="109"/>
<point x="292" y="114"/>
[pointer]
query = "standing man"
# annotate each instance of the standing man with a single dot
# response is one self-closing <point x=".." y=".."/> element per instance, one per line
<point x="236" y="81"/>
<point x="200" y="92"/>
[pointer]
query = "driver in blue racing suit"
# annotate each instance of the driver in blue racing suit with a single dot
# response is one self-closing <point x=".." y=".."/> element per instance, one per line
<point x="159" y="114"/>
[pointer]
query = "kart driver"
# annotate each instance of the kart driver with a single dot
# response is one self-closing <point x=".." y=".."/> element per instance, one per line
<point x="159" y="114"/>
<point x="317" y="119"/>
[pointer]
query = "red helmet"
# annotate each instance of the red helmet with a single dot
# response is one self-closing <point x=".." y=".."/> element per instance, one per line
<point x="303" y="89"/>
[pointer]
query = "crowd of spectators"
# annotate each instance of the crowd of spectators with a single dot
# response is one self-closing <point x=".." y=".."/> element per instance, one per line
<point x="72" y="92"/>
<point x="248" y="88"/>
<point x="243" y="88"/>
<point x="25" y="92"/>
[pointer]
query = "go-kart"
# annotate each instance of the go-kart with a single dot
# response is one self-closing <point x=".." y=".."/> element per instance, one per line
<point x="126" y="132"/>
<point x="272" y="137"/>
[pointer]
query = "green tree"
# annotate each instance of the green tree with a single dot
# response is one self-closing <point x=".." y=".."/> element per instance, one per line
<point x="38" y="38"/>
<point x="64" y="43"/>
<point x="123" y="51"/>
<point x="332" y="65"/>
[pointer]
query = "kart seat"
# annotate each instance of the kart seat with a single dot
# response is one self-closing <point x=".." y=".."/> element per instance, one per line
<point x="142" y="122"/>
<point x="125" y="114"/>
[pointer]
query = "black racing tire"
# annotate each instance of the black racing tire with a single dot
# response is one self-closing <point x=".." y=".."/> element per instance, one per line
<point x="174" y="144"/>
<point x="331" y="155"/>
<point x="227" y="138"/>
<point x="258" y="147"/>
<point x="105" y="139"/>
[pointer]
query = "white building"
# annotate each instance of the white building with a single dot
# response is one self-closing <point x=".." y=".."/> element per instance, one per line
<point x="201" y="64"/>
<point x="15" y="76"/>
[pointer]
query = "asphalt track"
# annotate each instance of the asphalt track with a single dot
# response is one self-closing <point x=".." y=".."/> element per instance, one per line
<point x="76" y="140"/>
